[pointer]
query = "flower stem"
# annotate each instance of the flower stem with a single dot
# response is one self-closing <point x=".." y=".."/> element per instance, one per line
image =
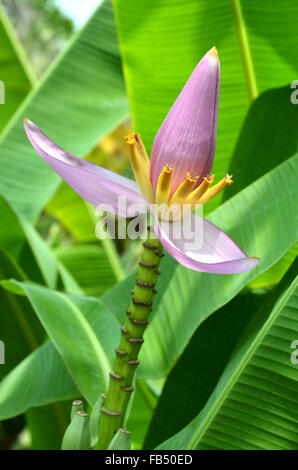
<point x="126" y="361"/>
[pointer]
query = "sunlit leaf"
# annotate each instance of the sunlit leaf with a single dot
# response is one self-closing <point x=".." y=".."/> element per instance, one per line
<point x="161" y="49"/>
<point x="83" y="331"/>
<point x="80" y="99"/>
<point x="90" y="267"/>
<point x="15" y="72"/>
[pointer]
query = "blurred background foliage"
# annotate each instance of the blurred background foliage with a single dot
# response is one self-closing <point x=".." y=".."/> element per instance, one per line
<point x="42" y="29"/>
<point x="87" y="85"/>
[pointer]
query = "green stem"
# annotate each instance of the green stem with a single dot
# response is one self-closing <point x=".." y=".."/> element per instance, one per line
<point x="126" y="361"/>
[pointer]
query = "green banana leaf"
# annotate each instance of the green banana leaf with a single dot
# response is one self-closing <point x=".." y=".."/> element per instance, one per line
<point x="256" y="393"/>
<point x="15" y="72"/>
<point x="72" y="212"/>
<point x="49" y="436"/>
<point x="195" y="375"/>
<point x="78" y="328"/>
<point x="78" y="218"/>
<point x="140" y="416"/>
<point x="30" y="252"/>
<point x="41" y="378"/>
<point x="80" y="99"/>
<point x="24" y="256"/>
<point x="161" y="48"/>
<point x="268" y="137"/>
<point x="90" y="267"/>
<point x="278" y="270"/>
<point x="21" y="331"/>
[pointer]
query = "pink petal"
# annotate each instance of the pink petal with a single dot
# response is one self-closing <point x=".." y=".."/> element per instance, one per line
<point x="92" y="182"/>
<point x="186" y="138"/>
<point x="218" y="252"/>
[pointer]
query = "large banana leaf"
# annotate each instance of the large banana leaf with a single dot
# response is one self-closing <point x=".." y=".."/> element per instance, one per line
<point x="276" y="272"/>
<point x="39" y="379"/>
<point x="48" y="437"/>
<point x="30" y="252"/>
<point x="42" y="378"/>
<point x="25" y="256"/>
<point x="72" y="213"/>
<point x="89" y="265"/>
<point x="15" y="72"/>
<point x="254" y="405"/>
<point x="161" y="48"/>
<point x="78" y="218"/>
<point x="21" y="331"/>
<point x="83" y="331"/>
<point x="268" y="137"/>
<point x="194" y="377"/>
<point x="80" y="99"/>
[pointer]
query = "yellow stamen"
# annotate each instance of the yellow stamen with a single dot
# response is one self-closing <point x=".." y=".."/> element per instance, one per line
<point x="139" y="166"/>
<point x="143" y="151"/>
<point x="214" y="190"/>
<point x="164" y="185"/>
<point x="184" y="189"/>
<point x="197" y="193"/>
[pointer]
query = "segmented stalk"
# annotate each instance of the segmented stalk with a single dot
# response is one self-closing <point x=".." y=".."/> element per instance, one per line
<point x="126" y="361"/>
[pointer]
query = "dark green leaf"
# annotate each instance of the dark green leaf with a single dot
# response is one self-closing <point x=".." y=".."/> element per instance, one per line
<point x="254" y="404"/>
<point x="47" y="425"/>
<point x="38" y="380"/>
<point x="192" y="380"/>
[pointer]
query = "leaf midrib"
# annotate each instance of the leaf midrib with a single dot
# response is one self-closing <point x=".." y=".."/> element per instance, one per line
<point x="248" y="65"/>
<point x="104" y="363"/>
<point x="244" y="361"/>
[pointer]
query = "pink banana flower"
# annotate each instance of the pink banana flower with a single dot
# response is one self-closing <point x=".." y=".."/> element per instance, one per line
<point x="178" y="172"/>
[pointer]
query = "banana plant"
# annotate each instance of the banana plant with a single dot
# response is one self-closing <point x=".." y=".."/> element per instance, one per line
<point x="194" y="348"/>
